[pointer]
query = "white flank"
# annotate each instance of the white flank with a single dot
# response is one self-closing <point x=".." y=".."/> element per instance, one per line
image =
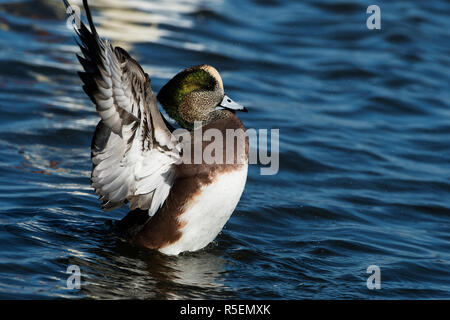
<point x="209" y="211"/>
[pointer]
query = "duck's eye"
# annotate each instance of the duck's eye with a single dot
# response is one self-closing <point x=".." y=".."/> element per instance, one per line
<point x="228" y="100"/>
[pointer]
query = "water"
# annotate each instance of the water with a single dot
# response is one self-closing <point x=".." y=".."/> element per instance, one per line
<point x="364" y="150"/>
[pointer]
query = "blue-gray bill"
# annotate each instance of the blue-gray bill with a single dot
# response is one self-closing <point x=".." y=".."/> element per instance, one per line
<point x="229" y="104"/>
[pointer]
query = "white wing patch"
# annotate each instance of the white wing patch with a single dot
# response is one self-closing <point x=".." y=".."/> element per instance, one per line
<point x="142" y="179"/>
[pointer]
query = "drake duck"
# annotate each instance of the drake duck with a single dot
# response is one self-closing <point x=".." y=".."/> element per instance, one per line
<point x="137" y="157"/>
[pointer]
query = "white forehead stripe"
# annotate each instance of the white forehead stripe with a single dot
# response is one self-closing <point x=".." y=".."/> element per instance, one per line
<point x="212" y="71"/>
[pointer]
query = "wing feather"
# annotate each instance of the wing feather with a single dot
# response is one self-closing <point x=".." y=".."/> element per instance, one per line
<point x="133" y="152"/>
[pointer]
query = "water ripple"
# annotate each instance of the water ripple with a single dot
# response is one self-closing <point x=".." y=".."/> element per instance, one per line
<point x="364" y="161"/>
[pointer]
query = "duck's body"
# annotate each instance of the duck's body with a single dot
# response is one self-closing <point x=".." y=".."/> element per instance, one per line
<point x="201" y="201"/>
<point x="176" y="205"/>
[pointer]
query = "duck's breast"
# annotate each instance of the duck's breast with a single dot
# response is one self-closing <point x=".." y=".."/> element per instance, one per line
<point x="205" y="214"/>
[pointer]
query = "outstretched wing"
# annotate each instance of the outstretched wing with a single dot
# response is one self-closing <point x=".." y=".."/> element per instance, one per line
<point x="133" y="152"/>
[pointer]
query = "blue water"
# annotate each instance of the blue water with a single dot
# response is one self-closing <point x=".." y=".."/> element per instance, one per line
<point x="364" y="119"/>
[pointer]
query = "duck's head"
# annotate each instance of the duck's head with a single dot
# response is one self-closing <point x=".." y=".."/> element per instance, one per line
<point x="197" y="94"/>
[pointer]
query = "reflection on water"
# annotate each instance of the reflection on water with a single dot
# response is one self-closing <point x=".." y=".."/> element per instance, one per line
<point x="364" y="139"/>
<point x="128" y="22"/>
<point x="153" y="275"/>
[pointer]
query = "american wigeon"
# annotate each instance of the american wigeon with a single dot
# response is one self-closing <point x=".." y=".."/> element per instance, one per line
<point x="175" y="205"/>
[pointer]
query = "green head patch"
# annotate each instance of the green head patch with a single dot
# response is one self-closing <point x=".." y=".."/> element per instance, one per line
<point x="185" y="82"/>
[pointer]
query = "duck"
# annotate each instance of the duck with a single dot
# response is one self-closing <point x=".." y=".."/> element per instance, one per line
<point x="176" y="203"/>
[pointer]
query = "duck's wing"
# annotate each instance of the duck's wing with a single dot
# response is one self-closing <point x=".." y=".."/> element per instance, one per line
<point x="133" y="152"/>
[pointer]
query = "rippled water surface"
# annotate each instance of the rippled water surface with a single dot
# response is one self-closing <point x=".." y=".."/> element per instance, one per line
<point x="364" y="119"/>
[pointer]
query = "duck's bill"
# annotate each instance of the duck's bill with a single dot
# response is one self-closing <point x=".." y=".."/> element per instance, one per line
<point x="229" y="104"/>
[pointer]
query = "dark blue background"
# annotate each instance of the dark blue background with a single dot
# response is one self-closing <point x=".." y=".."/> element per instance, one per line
<point x="364" y="125"/>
